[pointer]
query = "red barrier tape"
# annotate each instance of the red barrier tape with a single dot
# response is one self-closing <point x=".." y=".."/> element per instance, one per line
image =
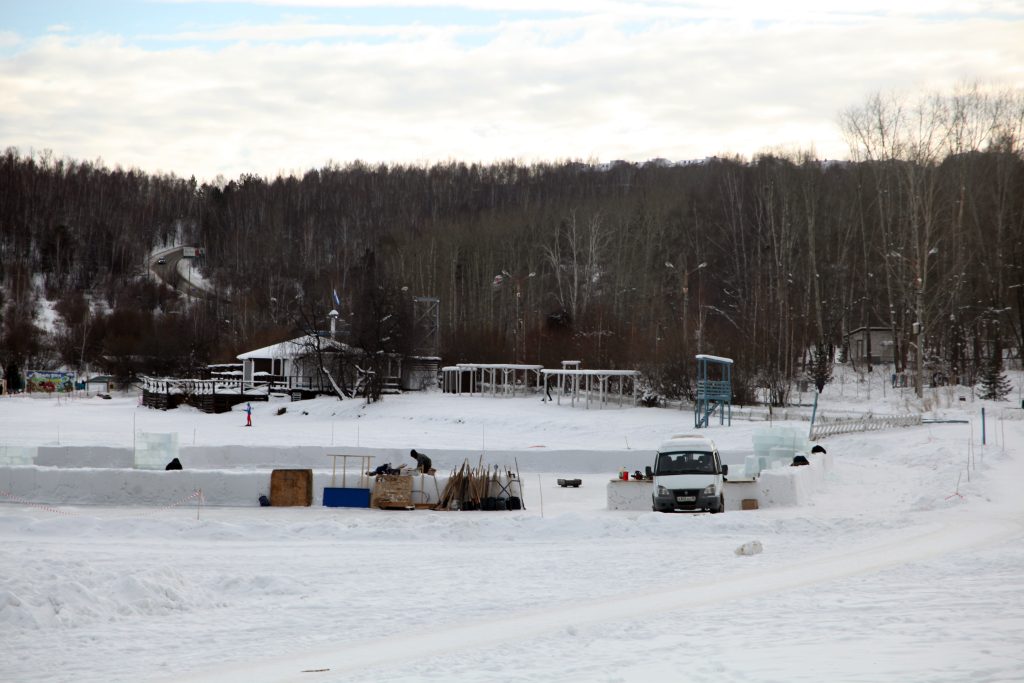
<point x="198" y="493"/>
<point x="14" y="498"/>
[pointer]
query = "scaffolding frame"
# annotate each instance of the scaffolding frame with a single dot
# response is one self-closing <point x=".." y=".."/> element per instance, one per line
<point x="713" y="395"/>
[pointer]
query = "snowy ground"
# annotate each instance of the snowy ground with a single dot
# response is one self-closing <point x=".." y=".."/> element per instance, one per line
<point x="887" y="576"/>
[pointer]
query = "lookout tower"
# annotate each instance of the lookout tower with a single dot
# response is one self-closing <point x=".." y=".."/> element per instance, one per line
<point x="714" y="390"/>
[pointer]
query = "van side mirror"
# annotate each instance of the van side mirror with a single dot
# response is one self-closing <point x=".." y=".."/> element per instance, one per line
<point x="725" y="469"/>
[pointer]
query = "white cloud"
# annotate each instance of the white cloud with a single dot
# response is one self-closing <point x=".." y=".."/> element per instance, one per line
<point x="9" y="39"/>
<point x="570" y="87"/>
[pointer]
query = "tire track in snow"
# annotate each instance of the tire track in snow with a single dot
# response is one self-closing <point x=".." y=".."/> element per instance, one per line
<point x="401" y="648"/>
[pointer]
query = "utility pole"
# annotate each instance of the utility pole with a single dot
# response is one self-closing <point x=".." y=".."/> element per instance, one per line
<point x="686" y="300"/>
<point x="922" y="273"/>
<point x="518" y="324"/>
<point x="919" y="329"/>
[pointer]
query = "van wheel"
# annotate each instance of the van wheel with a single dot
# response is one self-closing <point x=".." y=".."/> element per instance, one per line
<point x="721" y="504"/>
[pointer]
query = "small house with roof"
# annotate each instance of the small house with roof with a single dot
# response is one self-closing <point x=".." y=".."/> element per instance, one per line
<point x="310" y="362"/>
<point x="872" y="344"/>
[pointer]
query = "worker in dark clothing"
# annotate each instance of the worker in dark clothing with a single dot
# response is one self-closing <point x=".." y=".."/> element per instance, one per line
<point x="423" y="463"/>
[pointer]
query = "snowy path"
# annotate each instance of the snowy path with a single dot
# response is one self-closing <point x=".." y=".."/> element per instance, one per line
<point x="339" y="662"/>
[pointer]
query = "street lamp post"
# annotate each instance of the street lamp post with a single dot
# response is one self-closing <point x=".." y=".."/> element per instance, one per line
<point x="686" y="293"/>
<point x="686" y="298"/>
<point x="517" y="336"/>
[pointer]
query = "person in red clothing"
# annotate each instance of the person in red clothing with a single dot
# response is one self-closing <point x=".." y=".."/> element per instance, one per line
<point x="248" y="415"/>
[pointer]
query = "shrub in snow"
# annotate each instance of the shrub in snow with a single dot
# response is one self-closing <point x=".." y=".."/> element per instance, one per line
<point x="650" y="399"/>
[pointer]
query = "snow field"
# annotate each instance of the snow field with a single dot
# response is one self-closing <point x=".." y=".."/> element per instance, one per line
<point x="885" y="575"/>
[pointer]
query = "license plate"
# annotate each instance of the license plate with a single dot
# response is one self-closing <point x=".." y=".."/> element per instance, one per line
<point x="686" y="499"/>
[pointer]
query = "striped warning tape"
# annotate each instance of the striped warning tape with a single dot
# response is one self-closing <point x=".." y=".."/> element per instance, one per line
<point x="47" y="508"/>
<point x="198" y="493"/>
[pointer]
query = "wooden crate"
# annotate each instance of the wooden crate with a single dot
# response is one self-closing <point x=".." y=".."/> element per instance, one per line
<point x="291" y="488"/>
<point x="749" y="504"/>
<point x="392" y="491"/>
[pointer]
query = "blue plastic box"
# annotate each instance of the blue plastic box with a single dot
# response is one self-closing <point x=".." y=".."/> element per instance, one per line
<point x="346" y="498"/>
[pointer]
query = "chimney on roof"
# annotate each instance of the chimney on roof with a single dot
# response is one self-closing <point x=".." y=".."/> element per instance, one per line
<point x="333" y="315"/>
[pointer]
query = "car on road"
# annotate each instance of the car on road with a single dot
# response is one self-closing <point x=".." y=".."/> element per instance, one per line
<point x="689" y="475"/>
<point x="161" y="261"/>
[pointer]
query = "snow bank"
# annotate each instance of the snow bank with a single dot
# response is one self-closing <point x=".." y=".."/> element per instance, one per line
<point x="629" y="495"/>
<point x="158" y="488"/>
<point x="106" y="486"/>
<point x="239" y="475"/>
<point x="314" y="457"/>
<point x="789" y="486"/>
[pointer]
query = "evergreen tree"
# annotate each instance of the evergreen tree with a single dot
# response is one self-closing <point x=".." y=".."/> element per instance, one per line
<point x="994" y="384"/>
<point x="820" y="369"/>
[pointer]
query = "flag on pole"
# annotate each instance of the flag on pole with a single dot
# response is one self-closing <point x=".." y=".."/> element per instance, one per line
<point x="337" y="301"/>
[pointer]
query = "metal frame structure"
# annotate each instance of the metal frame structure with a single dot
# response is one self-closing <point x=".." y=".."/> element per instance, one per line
<point x="491" y="378"/>
<point x="713" y="394"/>
<point x="580" y="385"/>
<point x="427" y="317"/>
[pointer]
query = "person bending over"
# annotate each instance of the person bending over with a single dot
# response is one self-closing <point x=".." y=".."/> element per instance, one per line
<point x="423" y="463"/>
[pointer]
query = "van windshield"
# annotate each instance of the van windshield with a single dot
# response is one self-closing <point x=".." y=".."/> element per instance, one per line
<point x="685" y="462"/>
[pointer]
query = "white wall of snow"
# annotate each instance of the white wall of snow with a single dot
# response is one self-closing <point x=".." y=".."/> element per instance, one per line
<point x="239" y="475"/>
<point x="108" y="486"/>
<point x="315" y="457"/>
<point x="157" y="488"/>
<point x="790" y="486"/>
<point x="629" y="495"/>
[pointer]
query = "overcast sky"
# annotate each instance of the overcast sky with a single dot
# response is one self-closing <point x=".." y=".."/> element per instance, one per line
<point x="281" y="86"/>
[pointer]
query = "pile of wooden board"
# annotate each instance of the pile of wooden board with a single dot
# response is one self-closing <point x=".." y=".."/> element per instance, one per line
<point x="483" y="487"/>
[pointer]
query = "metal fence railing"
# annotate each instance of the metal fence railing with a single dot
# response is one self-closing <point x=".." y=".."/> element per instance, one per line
<point x="868" y="423"/>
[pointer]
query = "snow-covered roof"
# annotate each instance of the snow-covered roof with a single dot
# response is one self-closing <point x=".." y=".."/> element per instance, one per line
<point x="293" y="348"/>
<point x="498" y="366"/>
<point x="686" y="440"/>
<point x="716" y="359"/>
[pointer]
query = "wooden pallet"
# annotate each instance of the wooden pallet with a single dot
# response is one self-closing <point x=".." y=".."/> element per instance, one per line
<point x="392" y="492"/>
<point x="291" y="488"/>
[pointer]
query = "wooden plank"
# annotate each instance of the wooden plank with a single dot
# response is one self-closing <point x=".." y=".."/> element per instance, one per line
<point x="290" y="488"/>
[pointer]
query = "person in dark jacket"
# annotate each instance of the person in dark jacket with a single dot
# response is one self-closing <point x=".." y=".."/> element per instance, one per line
<point x="423" y="463"/>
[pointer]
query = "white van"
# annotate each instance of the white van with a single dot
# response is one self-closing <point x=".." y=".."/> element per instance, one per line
<point x="689" y="475"/>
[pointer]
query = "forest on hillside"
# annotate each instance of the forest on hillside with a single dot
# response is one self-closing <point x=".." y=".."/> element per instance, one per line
<point x="769" y="261"/>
